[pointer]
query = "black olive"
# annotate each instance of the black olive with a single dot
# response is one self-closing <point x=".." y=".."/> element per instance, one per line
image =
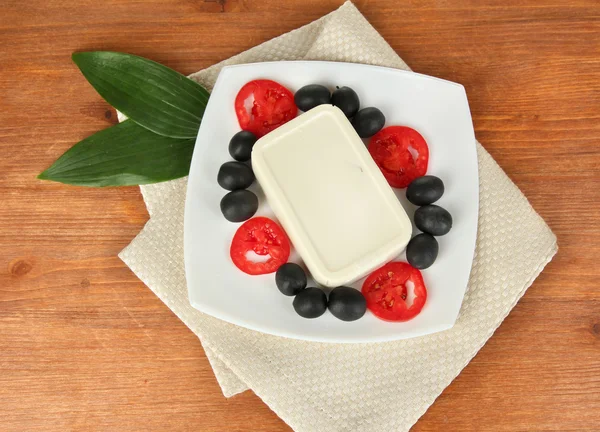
<point x="347" y="100"/>
<point x="235" y="175"/>
<point x="239" y="205"/>
<point x="433" y="219"/>
<point x="311" y="96"/>
<point x="347" y="304"/>
<point x="368" y="121"/>
<point x="310" y="303"/>
<point x="422" y="250"/>
<point x="240" y="146"/>
<point x="425" y="190"/>
<point x="290" y="279"/>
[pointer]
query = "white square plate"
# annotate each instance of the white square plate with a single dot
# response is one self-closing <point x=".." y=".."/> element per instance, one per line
<point x="438" y="109"/>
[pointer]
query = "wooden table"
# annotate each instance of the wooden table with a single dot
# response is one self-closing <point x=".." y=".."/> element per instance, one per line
<point x="84" y="345"/>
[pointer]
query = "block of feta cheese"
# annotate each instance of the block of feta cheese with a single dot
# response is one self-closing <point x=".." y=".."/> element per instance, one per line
<point x="330" y="197"/>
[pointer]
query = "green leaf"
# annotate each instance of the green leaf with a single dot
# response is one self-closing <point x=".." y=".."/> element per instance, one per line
<point x="123" y="155"/>
<point x="152" y="95"/>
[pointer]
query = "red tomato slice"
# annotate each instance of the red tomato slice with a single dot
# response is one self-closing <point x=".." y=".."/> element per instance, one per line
<point x="385" y="291"/>
<point x="391" y="149"/>
<point x="264" y="237"/>
<point x="264" y="105"/>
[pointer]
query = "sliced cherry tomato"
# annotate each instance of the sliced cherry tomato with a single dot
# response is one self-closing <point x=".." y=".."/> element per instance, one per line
<point x="264" y="237"/>
<point x="385" y="291"/>
<point x="391" y="149"/>
<point x="264" y="105"/>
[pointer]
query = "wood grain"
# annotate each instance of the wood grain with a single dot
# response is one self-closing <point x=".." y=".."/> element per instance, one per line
<point x="85" y="346"/>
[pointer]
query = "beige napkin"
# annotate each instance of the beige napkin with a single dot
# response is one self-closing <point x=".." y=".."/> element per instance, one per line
<point x="366" y="387"/>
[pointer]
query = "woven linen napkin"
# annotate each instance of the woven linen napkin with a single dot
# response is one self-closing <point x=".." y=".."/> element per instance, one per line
<point x="333" y="387"/>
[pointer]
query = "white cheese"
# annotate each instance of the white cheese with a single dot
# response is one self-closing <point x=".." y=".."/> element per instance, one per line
<point x="330" y="197"/>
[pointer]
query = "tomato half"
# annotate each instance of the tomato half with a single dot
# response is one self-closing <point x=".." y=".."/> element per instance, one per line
<point x="264" y="237"/>
<point x="385" y="291"/>
<point x="391" y="149"/>
<point x="264" y="105"/>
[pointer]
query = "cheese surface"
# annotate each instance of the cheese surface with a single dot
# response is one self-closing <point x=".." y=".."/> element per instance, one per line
<point x="330" y="196"/>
